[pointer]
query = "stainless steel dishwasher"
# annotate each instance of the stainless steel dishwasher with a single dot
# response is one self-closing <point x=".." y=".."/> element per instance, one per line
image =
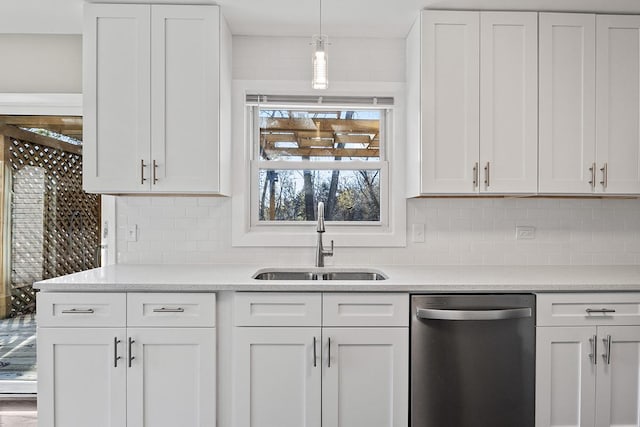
<point x="472" y="360"/>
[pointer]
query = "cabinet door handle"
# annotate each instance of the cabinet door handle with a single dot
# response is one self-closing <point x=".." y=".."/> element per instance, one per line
<point x="607" y="349"/>
<point x="600" y="310"/>
<point x="487" y="174"/>
<point x="315" y="356"/>
<point x="131" y="357"/>
<point x="155" y="172"/>
<point x="476" y="174"/>
<point x="329" y="353"/>
<point x="142" y="166"/>
<point x="592" y="169"/>
<point x="594" y="349"/>
<point x="168" y="310"/>
<point x="116" y="341"/>
<point x="605" y="177"/>
<point x="79" y="311"/>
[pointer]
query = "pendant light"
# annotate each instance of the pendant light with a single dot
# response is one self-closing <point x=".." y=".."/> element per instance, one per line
<point x="320" y="64"/>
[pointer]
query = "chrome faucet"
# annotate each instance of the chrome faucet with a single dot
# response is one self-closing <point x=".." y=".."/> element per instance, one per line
<point x="321" y="252"/>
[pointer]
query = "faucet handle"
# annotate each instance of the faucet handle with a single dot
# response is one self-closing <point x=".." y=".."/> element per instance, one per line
<point x="330" y="251"/>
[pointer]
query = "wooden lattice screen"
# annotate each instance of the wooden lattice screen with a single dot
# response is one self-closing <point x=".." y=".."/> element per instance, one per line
<point x="55" y="225"/>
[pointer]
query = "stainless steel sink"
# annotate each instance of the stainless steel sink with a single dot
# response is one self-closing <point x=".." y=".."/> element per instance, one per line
<point x="354" y="275"/>
<point x="320" y="274"/>
<point x="285" y="275"/>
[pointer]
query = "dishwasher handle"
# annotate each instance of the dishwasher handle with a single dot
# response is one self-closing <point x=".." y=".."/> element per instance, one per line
<point x="490" y="314"/>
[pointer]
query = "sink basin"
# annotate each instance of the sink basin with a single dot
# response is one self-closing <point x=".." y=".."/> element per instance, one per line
<point x="319" y="274"/>
<point x="354" y="275"/>
<point x="285" y="275"/>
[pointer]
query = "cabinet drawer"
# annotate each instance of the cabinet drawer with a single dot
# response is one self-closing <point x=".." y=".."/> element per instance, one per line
<point x="66" y="309"/>
<point x="588" y="309"/>
<point x="171" y="310"/>
<point x="377" y="309"/>
<point x="277" y="309"/>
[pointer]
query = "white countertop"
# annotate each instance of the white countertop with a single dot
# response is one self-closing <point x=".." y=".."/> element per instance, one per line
<point x="206" y="278"/>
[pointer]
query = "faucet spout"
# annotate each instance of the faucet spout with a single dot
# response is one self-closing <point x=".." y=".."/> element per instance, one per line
<point x="321" y="252"/>
<point x="320" y="227"/>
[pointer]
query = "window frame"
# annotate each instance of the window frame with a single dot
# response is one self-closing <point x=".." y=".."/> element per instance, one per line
<point x="257" y="164"/>
<point x="389" y="232"/>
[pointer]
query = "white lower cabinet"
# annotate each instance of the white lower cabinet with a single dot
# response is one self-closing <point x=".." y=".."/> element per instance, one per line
<point x="588" y="376"/>
<point x="126" y="376"/>
<point x="172" y="377"/>
<point x="78" y="382"/>
<point x="312" y="376"/>
<point x="364" y="379"/>
<point x="276" y="382"/>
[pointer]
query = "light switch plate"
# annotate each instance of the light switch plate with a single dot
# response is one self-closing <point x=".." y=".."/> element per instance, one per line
<point x="132" y="233"/>
<point x="525" y="232"/>
<point x="417" y="233"/>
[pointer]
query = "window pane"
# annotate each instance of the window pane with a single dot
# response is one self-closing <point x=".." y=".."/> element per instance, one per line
<point x="319" y="135"/>
<point x="293" y="195"/>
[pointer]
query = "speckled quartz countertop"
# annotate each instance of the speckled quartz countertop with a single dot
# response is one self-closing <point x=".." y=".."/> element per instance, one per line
<point x="408" y="278"/>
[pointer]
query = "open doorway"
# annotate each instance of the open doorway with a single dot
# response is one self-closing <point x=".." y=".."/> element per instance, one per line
<point x="49" y="227"/>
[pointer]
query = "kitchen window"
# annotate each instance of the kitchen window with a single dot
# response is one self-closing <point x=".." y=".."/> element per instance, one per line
<point x="292" y="151"/>
<point x="310" y="149"/>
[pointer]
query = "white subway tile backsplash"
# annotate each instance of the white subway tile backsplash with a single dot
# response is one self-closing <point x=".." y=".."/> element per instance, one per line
<point x="458" y="231"/>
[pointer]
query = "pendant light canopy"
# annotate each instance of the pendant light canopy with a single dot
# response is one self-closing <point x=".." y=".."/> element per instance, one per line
<point x="320" y="60"/>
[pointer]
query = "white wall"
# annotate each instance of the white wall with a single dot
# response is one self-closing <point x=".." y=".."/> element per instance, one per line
<point x="289" y="58"/>
<point x="458" y="231"/>
<point x="39" y="63"/>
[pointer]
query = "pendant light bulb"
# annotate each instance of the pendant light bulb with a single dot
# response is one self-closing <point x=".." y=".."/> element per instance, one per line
<point x="320" y="63"/>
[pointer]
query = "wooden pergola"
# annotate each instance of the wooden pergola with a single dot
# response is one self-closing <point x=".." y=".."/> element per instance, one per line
<point x="70" y="126"/>
<point x="319" y="137"/>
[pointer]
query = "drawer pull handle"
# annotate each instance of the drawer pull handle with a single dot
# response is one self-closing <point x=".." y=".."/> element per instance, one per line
<point x="607" y="349"/>
<point x="600" y="310"/>
<point x="79" y="311"/>
<point x="315" y="355"/>
<point x="131" y="356"/>
<point x="116" y="341"/>
<point x="168" y="310"/>
<point x="487" y="175"/>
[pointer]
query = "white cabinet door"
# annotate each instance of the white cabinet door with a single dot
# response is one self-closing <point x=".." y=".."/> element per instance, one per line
<point x="172" y="378"/>
<point x="618" y="380"/>
<point x="450" y="91"/>
<point x="116" y="108"/>
<point x="565" y="376"/>
<point x="185" y="94"/>
<point x="365" y="377"/>
<point x="80" y="382"/>
<point x="277" y="379"/>
<point x="618" y="103"/>
<point x="509" y="102"/>
<point x="567" y="48"/>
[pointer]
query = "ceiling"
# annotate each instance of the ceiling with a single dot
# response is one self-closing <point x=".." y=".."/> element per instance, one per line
<point x="341" y="18"/>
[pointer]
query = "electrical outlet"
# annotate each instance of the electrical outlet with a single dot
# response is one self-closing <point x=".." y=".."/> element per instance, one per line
<point x="525" y="232"/>
<point x="417" y="233"/>
<point x="132" y="233"/>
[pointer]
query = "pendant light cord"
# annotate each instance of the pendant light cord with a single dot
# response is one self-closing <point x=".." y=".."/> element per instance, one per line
<point x="320" y="18"/>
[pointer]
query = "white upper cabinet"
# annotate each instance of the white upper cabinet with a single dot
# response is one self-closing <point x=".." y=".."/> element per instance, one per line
<point x="450" y="91"/>
<point x="477" y="130"/>
<point x="618" y="104"/>
<point x="157" y="95"/>
<point x="567" y="103"/>
<point x="116" y="116"/>
<point x="509" y="102"/>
